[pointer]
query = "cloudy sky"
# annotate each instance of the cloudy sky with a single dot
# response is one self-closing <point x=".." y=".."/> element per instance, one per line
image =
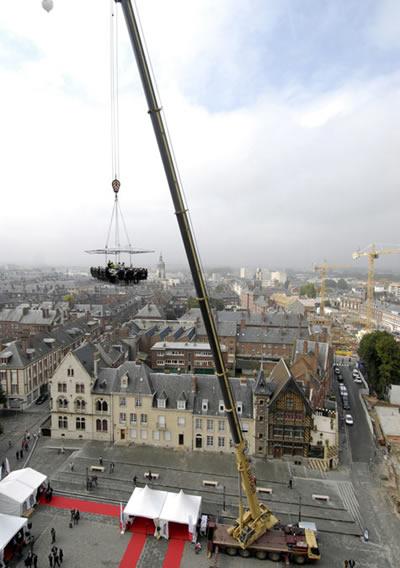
<point x="284" y="117"/>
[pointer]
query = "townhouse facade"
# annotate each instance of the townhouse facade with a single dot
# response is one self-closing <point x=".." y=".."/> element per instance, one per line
<point x="188" y="357"/>
<point x="131" y="405"/>
<point x="27" y="365"/>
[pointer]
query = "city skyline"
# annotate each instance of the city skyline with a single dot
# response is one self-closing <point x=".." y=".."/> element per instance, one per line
<point x="283" y="120"/>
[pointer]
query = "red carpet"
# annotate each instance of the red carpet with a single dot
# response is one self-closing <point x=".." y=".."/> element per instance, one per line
<point x="174" y="554"/>
<point x="83" y="506"/>
<point x="178" y="532"/>
<point x="142" y="526"/>
<point x="133" y="551"/>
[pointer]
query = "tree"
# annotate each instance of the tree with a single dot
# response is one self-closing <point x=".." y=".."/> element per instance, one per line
<point x="330" y="283"/>
<point x="214" y="303"/>
<point x="342" y="284"/>
<point x="381" y="355"/>
<point x="308" y="290"/>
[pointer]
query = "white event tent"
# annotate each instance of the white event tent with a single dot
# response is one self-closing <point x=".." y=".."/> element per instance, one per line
<point x="18" y="491"/>
<point x="9" y="527"/>
<point x="180" y="508"/>
<point x="145" y="502"/>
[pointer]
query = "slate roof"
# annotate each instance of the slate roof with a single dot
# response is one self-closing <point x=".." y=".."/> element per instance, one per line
<point x="150" y="311"/>
<point x="262" y="385"/>
<point x="26" y="314"/>
<point x="280" y="378"/>
<point x="261" y="335"/>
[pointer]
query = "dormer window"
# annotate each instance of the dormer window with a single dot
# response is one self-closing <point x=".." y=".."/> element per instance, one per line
<point x="204" y="405"/>
<point x="161" y="402"/>
<point x="124" y="382"/>
<point x="181" y="405"/>
<point x="239" y="407"/>
<point x="221" y="406"/>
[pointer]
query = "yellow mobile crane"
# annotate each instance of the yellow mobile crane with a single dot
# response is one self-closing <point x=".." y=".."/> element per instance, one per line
<point x="323" y="271"/>
<point x="256" y="529"/>
<point x="372" y="253"/>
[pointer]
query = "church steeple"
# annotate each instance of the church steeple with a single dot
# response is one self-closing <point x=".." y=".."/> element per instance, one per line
<point x="161" y="268"/>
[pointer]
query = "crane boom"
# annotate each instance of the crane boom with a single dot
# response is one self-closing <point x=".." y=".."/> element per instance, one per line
<point x="258" y="519"/>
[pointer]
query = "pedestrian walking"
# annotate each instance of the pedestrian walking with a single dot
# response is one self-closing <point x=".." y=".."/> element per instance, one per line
<point x="149" y="476"/>
<point x="50" y="560"/>
<point x="56" y="560"/>
<point x="61" y="555"/>
<point x="17" y="454"/>
<point x="290" y="483"/>
<point x="71" y="466"/>
<point x="72" y="512"/>
<point x="53" y="535"/>
<point x="100" y="460"/>
<point x="346" y="564"/>
<point x="77" y="516"/>
<point x="35" y="560"/>
<point x="21" y="454"/>
<point x="112" y="467"/>
<point x="134" y="480"/>
<point x="352" y="563"/>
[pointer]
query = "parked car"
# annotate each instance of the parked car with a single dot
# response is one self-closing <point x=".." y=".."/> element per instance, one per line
<point x="337" y="371"/>
<point x="358" y="379"/>
<point x="356" y="373"/>
<point x="343" y="389"/>
<point x="339" y="378"/>
<point x="345" y="403"/>
<point x="42" y="398"/>
<point x="349" y="419"/>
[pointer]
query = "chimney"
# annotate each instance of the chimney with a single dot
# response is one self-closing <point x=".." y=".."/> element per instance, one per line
<point x="96" y="359"/>
<point x="194" y="384"/>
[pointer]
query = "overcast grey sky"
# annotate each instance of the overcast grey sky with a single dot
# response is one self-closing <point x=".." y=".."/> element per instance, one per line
<point x="284" y="117"/>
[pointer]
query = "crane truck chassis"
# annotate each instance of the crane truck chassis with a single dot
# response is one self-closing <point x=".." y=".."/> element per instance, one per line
<point x="288" y="543"/>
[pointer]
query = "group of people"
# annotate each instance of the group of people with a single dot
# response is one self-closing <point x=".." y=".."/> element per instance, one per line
<point x="118" y="273"/>
<point x="56" y="556"/>
<point x="31" y="559"/>
<point x="349" y="563"/>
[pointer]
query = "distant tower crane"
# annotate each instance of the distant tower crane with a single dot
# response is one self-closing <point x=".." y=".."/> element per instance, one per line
<point x="372" y="253"/>
<point x="323" y="271"/>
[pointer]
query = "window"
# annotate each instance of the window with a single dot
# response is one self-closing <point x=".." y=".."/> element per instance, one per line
<point x="80" y="404"/>
<point x="221" y="425"/>
<point x="245" y="427"/>
<point x="181" y="421"/>
<point x="161" y="402"/>
<point x="289" y="403"/>
<point x="210" y="441"/>
<point x="181" y="405"/>
<point x="101" y="405"/>
<point x="239" y="407"/>
<point x="156" y="435"/>
<point x="63" y="422"/>
<point x="70" y="372"/>
<point x="210" y="425"/>
<point x="204" y="405"/>
<point x="122" y="417"/>
<point x="221" y="442"/>
<point x="198" y="424"/>
<point x="133" y="433"/>
<point x="62" y="403"/>
<point x="143" y="419"/>
<point x="221" y="406"/>
<point x="143" y="434"/>
<point x="261" y="402"/>
<point x="80" y="388"/>
<point x="261" y="418"/>
<point x="80" y="424"/>
<point x="133" y="418"/>
<point x="138" y="402"/>
<point x="122" y="401"/>
<point x="62" y="387"/>
<point x="101" y="425"/>
<point x="167" y="436"/>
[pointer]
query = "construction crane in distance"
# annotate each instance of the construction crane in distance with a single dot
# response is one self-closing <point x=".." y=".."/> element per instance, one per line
<point x="372" y="253"/>
<point x="323" y="271"/>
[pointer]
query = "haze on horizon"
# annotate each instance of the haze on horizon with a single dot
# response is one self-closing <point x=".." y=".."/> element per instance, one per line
<point x="283" y="115"/>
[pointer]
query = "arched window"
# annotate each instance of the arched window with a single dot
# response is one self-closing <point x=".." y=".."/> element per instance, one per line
<point x="101" y="405"/>
<point x="62" y="402"/>
<point x="80" y="423"/>
<point x="80" y="404"/>
<point x="101" y="425"/>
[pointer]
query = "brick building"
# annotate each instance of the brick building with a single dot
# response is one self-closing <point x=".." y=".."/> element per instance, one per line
<point x="183" y="357"/>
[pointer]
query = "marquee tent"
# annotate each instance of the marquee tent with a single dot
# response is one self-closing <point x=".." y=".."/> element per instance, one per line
<point x="145" y="502"/>
<point x="30" y="477"/>
<point x="15" y="497"/>
<point x="9" y="527"/>
<point x="182" y="509"/>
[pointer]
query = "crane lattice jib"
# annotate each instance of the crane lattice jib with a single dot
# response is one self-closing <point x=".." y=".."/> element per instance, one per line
<point x="372" y="253"/>
<point x="323" y="271"/>
<point x="253" y="523"/>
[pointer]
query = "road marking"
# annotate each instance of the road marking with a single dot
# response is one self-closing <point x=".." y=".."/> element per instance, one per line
<point x="346" y="492"/>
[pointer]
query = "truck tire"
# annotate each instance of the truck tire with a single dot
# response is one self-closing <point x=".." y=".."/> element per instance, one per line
<point x="244" y="552"/>
<point x="274" y="556"/>
<point x="299" y="559"/>
<point x="261" y="554"/>
<point x="231" y="551"/>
